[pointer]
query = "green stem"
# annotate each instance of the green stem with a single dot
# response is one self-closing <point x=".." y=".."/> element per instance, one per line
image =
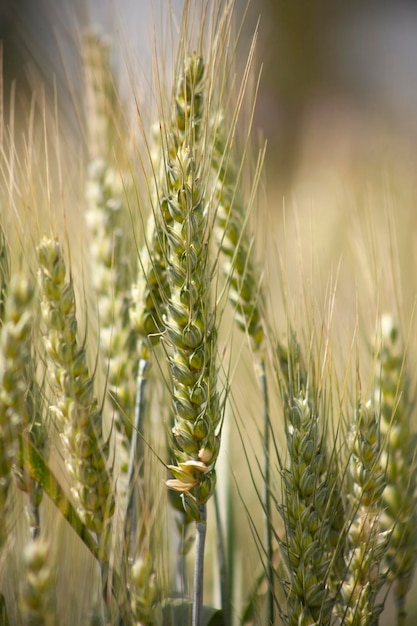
<point x="35" y="529"/>
<point x="221" y="551"/>
<point x="136" y="452"/>
<point x="200" y="540"/>
<point x="401" y="610"/>
<point x="267" y="495"/>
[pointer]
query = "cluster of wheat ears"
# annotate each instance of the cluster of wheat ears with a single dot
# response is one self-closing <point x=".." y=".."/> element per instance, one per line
<point x="117" y="379"/>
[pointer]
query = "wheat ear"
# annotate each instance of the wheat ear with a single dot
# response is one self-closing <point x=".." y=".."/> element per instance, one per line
<point x="235" y="242"/>
<point x="244" y="292"/>
<point x="36" y="590"/>
<point x="76" y="409"/>
<point x="190" y="331"/>
<point x="14" y="355"/>
<point x="311" y="506"/>
<point x="106" y="195"/>
<point x="399" y="514"/>
<point x="189" y="322"/>
<point x="367" y="545"/>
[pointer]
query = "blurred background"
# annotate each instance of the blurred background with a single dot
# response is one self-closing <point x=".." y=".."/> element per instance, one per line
<point x="339" y="80"/>
<point x="337" y="105"/>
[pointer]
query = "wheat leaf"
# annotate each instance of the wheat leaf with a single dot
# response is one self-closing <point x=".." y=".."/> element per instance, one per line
<point x="35" y="465"/>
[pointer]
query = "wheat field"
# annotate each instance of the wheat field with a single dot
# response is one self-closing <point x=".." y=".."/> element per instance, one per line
<point x="207" y="391"/>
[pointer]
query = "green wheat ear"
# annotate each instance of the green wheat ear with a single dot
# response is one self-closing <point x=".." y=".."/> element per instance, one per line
<point x="367" y="544"/>
<point x="76" y="408"/>
<point x="190" y="330"/>
<point x="308" y="498"/>
<point x="399" y="513"/>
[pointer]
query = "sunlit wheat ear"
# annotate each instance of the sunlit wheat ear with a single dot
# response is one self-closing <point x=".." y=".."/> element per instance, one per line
<point x="14" y="355"/>
<point x="106" y="208"/>
<point x="76" y="408"/>
<point x="367" y="544"/>
<point x="190" y="332"/>
<point x="399" y="515"/>
<point x="310" y="501"/>
<point x="36" y="606"/>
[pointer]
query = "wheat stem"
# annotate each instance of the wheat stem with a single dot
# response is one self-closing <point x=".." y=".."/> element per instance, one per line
<point x="200" y="540"/>
<point x="136" y="453"/>
<point x="267" y="494"/>
<point x="223" y="571"/>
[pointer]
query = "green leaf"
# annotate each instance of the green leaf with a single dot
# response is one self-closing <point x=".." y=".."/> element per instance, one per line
<point x="36" y="466"/>
<point x="178" y="612"/>
<point x="33" y="462"/>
